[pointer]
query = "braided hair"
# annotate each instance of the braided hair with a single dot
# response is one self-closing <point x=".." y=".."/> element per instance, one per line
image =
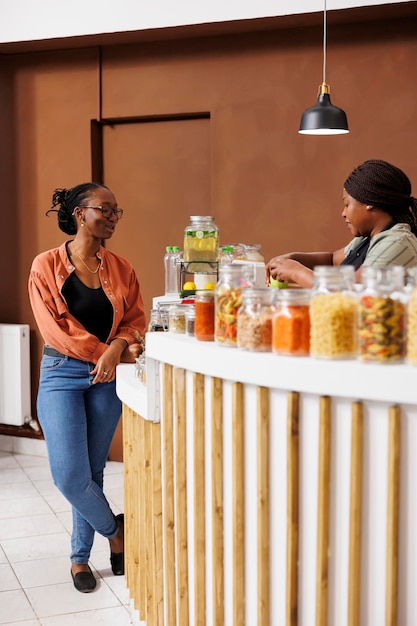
<point x="67" y="200"/>
<point x="387" y="188"/>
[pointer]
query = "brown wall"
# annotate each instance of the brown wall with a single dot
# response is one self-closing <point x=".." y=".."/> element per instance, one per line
<point x="240" y="160"/>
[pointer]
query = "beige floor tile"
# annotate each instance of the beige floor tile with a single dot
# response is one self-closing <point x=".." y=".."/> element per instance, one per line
<point x="15" y="607"/>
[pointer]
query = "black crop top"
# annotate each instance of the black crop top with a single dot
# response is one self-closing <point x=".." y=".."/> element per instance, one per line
<point x="91" y="307"/>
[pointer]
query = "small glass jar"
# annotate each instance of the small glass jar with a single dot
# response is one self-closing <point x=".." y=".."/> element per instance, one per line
<point x="254" y="320"/>
<point x="333" y="313"/>
<point x="204" y="315"/>
<point x="233" y="279"/>
<point x="201" y="239"/>
<point x="176" y="323"/>
<point x="140" y="368"/>
<point x="291" y="322"/>
<point x="381" y="315"/>
<point x="252" y="252"/>
<point x="190" y="321"/>
<point x="155" y="322"/>
<point x="226" y="254"/>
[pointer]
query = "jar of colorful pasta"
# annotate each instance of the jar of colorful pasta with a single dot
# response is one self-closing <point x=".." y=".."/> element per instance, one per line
<point x="291" y="322"/>
<point x="333" y="313"/>
<point x="381" y="315"/>
<point x="233" y="279"/>
<point x="254" y="320"/>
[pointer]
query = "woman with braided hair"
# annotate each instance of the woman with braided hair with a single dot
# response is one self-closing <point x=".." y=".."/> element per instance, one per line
<point x="87" y="304"/>
<point x="381" y="214"/>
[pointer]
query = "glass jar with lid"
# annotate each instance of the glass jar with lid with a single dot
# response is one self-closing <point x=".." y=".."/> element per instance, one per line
<point x="291" y="322"/>
<point x="254" y="320"/>
<point x="204" y="315"/>
<point x="252" y="252"/>
<point x="412" y="316"/>
<point x="155" y="322"/>
<point x="233" y="279"/>
<point x="176" y="321"/>
<point x="381" y="314"/>
<point x="190" y="321"/>
<point x="201" y="239"/>
<point x="333" y="313"/>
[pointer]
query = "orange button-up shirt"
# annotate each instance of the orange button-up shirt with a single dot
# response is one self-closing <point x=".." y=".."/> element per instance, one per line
<point x="59" y="328"/>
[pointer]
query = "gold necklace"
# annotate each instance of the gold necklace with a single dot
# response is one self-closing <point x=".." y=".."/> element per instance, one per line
<point x="85" y="264"/>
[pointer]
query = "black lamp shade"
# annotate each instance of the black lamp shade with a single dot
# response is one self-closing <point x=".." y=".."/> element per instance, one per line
<point x="323" y="118"/>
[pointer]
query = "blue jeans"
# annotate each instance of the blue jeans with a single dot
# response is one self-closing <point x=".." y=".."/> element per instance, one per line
<point x="78" y="420"/>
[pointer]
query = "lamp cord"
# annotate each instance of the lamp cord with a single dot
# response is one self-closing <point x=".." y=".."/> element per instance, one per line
<point x="324" y="41"/>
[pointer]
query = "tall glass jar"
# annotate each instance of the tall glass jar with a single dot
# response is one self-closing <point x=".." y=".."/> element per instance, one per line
<point x="333" y="313"/>
<point x="381" y="315"/>
<point x="233" y="279"/>
<point x="291" y="322"/>
<point x="254" y="320"/>
<point x="412" y="317"/>
<point x="204" y="315"/>
<point x="201" y="239"/>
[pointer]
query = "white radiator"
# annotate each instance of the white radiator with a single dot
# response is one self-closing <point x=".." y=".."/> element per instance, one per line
<point x="15" y="406"/>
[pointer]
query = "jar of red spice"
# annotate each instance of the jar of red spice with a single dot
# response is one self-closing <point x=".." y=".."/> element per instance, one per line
<point x="291" y="322"/>
<point x="204" y="315"/>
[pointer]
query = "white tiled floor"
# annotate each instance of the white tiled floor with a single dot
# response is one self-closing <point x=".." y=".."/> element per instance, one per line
<point x="35" y="522"/>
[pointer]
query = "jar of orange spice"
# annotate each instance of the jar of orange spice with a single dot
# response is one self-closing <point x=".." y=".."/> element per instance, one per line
<point x="291" y="322"/>
<point x="204" y="315"/>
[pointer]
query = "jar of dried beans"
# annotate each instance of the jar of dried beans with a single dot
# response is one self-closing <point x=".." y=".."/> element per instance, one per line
<point x="254" y="320"/>
<point x="233" y="279"/>
<point x="291" y="322"/>
<point x="204" y="315"/>
<point x="333" y="313"/>
<point x="381" y="315"/>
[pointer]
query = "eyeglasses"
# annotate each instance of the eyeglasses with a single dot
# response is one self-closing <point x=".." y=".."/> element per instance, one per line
<point x="105" y="210"/>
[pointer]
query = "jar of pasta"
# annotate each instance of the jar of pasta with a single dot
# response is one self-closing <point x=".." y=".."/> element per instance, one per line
<point x="254" y="320"/>
<point x="412" y="316"/>
<point x="233" y="279"/>
<point x="291" y="322"/>
<point x="204" y="315"/>
<point x="333" y="313"/>
<point x="382" y="315"/>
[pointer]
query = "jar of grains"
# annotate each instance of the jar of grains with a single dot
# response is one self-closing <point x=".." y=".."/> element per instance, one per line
<point x="204" y="315"/>
<point x="333" y="313"/>
<point x="381" y="315"/>
<point x="233" y="279"/>
<point x="291" y="322"/>
<point x="412" y="317"/>
<point x="176" y="323"/>
<point x="254" y="320"/>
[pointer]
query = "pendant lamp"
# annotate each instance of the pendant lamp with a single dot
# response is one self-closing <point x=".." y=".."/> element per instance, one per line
<point x="324" y="118"/>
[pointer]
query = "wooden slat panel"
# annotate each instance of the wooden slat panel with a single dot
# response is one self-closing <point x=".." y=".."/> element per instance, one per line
<point x="393" y="515"/>
<point x="142" y="520"/>
<point x="293" y="446"/>
<point x="168" y="495"/>
<point x="149" y="573"/>
<point x="157" y="525"/>
<point x="238" y="505"/>
<point x="217" y="500"/>
<point x="130" y="484"/>
<point x="322" y="580"/>
<point x="263" y="503"/>
<point x="199" y="504"/>
<point x="355" y="522"/>
<point x="181" y="495"/>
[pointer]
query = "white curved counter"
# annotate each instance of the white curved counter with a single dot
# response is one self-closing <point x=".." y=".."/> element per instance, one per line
<point x="287" y="487"/>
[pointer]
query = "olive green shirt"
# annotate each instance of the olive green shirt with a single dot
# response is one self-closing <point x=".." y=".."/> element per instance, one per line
<point x="396" y="246"/>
